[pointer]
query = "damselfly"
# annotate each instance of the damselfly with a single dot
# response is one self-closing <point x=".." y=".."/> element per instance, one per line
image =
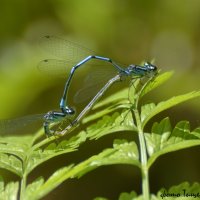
<point x="76" y="56"/>
<point x="25" y="124"/>
<point x="89" y="106"/>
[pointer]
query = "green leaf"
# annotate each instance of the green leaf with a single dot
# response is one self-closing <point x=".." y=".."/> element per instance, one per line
<point x="17" y="146"/>
<point x="146" y="110"/>
<point x="32" y="188"/>
<point x="128" y="196"/>
<point x="39" y="156"/>
<point x="150" y="111"/>
<point x="182" y="191"/>
<point x="121" y="153"/>
<point x="155" y="82"/>
<point x="159" y="136"/>
<point x="163" y="140"/>
<point x="196" y="132"/>
<point x="111" y="124"/>
<point x="10" y="191"/>
<point x="106" y="111"/>
<point x="114" y="102"/>
<point x="100" y="198"/>
<point x="39" y="188"/>
<point x="11" y="163"/>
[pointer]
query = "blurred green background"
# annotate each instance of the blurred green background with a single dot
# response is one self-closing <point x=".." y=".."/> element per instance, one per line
<point x="128" y="31"/>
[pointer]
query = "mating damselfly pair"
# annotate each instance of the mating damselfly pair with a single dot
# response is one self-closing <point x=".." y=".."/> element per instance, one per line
<point x="99" y="78"/>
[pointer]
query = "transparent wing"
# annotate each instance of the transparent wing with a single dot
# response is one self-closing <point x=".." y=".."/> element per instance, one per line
<point x="71" y="53"/>
<point x="93" y="82"/>
<point x="61" y="68"/>
<point x="65" y="49"/>
<point x="96" y="73"/>
<point x="23" y="125"/>
<point x="55" y="67"/>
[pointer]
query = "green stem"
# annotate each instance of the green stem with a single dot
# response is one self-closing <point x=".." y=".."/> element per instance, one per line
<point x="24" y="175"/>
<point x="143" y="153"/>
<point x="23" y="186"/>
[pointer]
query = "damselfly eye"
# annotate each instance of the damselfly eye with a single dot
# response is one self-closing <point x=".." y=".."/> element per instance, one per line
<point x="150" y="66"/>
<point x="76" y="56"/>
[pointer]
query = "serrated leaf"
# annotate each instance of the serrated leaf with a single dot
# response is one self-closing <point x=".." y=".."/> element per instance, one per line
<point x="106" y="111"/>
<point x="141" y="197"/>
<point x="11" y="163"/>
<point x="121" y="153"/>
<point x="163" y="140"/>
<point x="196" y="132"/>
<point x="52" y="150"/>
<point x="10" y="191"/>
<point x="132" y="90"/>
<point x="111" y="124"/>
<point x="32" y="188"/>
<point x="128" y="196"/>
<point x="17" y="146"/>
<point x="39" y="188"/>
<point x="166" y="105"/>
<point x="182" y="191"/>
<point x="146" y="110"/>
<point x="159" y="135"/>
<point x="153" y="197"/>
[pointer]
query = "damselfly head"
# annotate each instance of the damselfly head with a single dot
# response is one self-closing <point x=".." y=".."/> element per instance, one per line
<point x="150" y="67"/>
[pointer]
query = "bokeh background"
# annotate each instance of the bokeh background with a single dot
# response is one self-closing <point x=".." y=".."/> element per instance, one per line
<point x="128" y="31"/>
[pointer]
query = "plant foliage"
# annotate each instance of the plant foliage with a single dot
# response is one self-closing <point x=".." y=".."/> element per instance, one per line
<point x="123" y="111"/>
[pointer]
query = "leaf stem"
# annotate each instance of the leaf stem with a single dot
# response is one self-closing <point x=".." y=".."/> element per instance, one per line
<point x="143" y="153"/>
<point x="23" y="186"/>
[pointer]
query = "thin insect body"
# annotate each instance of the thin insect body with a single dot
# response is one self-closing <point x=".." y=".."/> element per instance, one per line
<point x="134" y="71"/>
<point x="54" y="116"/>
<point x="10" y="126"/>
<point x="89" y="106"/>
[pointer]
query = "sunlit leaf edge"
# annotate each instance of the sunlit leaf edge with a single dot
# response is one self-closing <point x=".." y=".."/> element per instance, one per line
<point x="117" y="122"/>
<point x="164" y="105"/>
<point x="11" y="163"/>
<point x="155" y="82"/>
<point x="188" y="139"/>
<point x="39" y="156"/>
<point x="78" y="170"/>
<point x="8" y="191"/>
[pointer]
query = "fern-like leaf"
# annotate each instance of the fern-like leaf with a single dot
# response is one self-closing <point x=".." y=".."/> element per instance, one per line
<point x="9" y="191"/>
<point x="150" y="110"/>
<point x="163" y="139"/>
<point x="52" y="150"/>
<point x="111" y="124"/>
